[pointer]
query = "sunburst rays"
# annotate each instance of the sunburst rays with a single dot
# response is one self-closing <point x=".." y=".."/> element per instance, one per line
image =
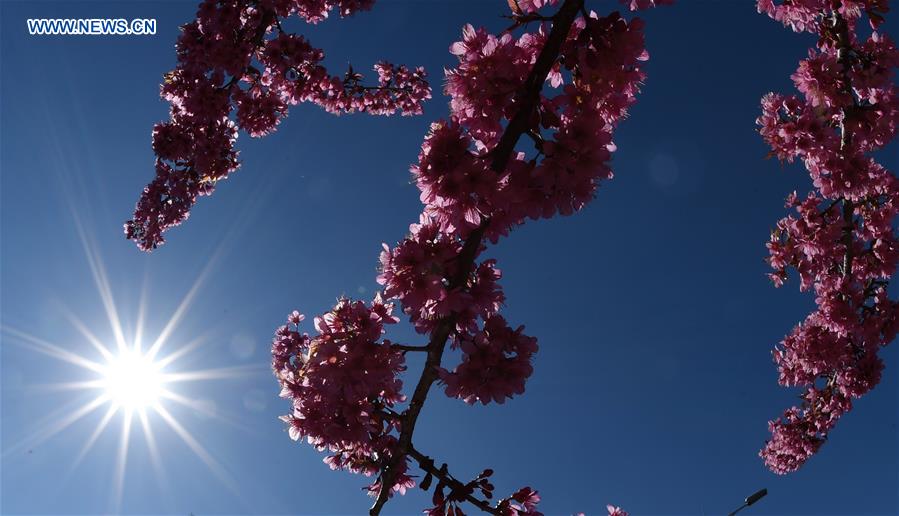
<point x="130" y="382"/>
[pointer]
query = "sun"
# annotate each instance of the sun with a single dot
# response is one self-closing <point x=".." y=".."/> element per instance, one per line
<point x="133" y="380"/>
<point x="132" y="374"/>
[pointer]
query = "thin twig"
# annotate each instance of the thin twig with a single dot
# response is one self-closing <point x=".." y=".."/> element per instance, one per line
<point x="427" y="465"/>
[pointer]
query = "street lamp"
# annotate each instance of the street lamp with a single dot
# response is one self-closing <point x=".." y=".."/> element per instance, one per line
<point x="751" y="499"/>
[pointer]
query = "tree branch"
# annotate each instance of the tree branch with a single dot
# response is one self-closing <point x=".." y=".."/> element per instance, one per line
<point x="844" y="51"/>
<point x="533" y="85"/>
<point x="405" y="347"/>
<point x="527" y="100"/>
<point x="429" y="373"/>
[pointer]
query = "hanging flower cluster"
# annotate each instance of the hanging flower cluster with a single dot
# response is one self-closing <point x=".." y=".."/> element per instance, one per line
<point x="343" y="383"/>
<point x="496" y="362"/>
<point x="841" y="240"/>
<point x="235" y="57"/>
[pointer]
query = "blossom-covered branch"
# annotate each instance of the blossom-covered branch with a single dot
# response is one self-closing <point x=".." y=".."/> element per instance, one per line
<point x="842" y="241"/>
<point x="476" y="185"/>
<point x="236" y="57"/>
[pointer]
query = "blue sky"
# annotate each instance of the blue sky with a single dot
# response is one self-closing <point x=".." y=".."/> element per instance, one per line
<point x="653" y="384"/>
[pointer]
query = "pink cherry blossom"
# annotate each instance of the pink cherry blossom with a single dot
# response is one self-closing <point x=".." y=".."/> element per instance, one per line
<point x="840" y="241"/>
<point x="572" y="131"/>
<point x="615" y="511"/>
<point x="341" y="383"/>
<point x="635" y="5"/>
<point x="496" y="362"/>
<point x="522" y="503"/>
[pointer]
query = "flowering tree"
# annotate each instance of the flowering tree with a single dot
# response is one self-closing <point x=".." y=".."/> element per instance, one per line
<point x="841" y="240"/>
<point x="562" y="81"/>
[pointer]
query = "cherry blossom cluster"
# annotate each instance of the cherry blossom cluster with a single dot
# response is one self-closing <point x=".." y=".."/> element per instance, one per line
<point x="840" y="240"/>
<point x="342" y="384"/>
<point x="809" y="15"/>
<point x="571" y="129"/>
<point x="237" y="69"/>
<point x="417" y="270"/>
<point x="496" y="361"/>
